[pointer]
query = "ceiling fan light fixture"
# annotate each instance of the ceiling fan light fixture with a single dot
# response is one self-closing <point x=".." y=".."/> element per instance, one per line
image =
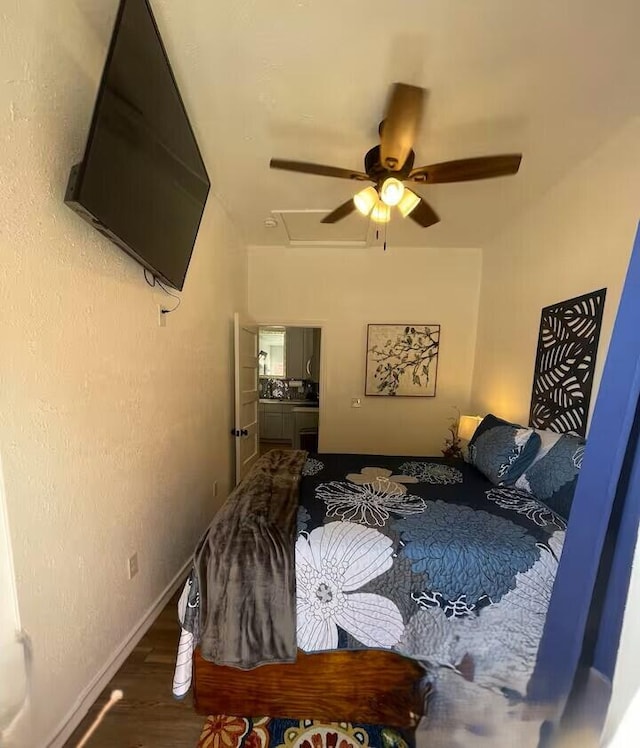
<point x="381" y="212"/>
<point x="391" y="191"/>
<point x="365" y="200"/>
<point x="391" y="163"/>
<point x="408" y="203"/>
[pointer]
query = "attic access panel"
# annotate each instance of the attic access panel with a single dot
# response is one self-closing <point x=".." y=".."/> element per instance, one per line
<point x="305" y="227"/>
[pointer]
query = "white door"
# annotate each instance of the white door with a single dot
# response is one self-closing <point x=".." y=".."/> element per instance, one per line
<point x="246" y="431"/>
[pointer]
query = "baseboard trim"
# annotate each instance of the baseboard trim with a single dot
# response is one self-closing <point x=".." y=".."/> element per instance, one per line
<point x="82" y="705"/>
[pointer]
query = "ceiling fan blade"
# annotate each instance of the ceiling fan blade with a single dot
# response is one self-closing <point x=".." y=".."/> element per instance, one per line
<point x="342" y="211"/>
<point x="319" y="169"/>
<point x="400" y="125"/>
<point x="424" y="214"/>
<point x="467" y="169"/>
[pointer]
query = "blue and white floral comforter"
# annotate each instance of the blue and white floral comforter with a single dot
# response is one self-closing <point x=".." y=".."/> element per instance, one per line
<point x="431" y="560"/>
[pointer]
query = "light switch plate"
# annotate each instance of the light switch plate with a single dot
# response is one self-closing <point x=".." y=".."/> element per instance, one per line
<point x="356" y="402"/>
<point x="133" y="565"/>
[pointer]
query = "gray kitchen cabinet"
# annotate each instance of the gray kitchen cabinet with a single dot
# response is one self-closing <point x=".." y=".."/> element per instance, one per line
<point x="270" y="416"/>
<point x="307" y="350"/>
<point x="287" y="425"/>
<point x="276" y="421"/>
<point x="303" y="353"/>
<point x="315" y="356"/>
<point x="295" y="361"/>
<point x="271" y="426"/>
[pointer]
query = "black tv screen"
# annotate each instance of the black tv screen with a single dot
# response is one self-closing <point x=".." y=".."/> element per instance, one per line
<point x="142" y="181"/>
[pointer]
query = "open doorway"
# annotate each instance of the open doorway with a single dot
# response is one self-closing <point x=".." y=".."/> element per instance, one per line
<point x="289" y="387"/>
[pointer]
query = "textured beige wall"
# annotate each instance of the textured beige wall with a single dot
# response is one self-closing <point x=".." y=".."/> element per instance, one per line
<point x="626" y="682"/>
<point x="575" y="240"/>
<point x="112" y="429"/>
<point x="13" y="683"/>
<point x="346" y="288"/>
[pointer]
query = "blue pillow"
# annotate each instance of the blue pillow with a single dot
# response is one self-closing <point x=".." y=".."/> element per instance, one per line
<point x="501" y="450"/>
<point x="553" y="475"/>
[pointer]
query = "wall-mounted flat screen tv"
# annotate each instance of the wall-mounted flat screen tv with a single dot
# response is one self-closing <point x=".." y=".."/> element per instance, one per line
<point x="142" y="181"/>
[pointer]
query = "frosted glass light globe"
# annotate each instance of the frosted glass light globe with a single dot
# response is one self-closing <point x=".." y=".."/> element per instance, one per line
<point x="391" y="191"/>
<point x="381" y="213"/>
<point x="365" y="200"/>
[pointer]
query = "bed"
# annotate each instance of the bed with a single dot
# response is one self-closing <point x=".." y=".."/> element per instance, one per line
<point x="419" y="566"/>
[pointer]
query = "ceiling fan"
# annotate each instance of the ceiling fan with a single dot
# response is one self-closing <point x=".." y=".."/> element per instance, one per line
<point x="390" y="164"/>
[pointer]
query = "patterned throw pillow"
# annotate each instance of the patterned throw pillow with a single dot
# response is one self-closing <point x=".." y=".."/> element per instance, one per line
<point x="222" y="731"/>
<point x="501" y="450"/>
<point x="553" y="475"/>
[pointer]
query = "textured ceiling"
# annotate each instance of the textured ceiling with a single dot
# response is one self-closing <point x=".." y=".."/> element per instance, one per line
<point x="308" y="80"/>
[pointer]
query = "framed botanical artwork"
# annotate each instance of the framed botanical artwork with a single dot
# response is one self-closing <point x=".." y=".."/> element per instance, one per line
<point x="402" y="360"/>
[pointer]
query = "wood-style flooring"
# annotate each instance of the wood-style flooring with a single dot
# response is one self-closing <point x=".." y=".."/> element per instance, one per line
<point x="266" y="446"/>
<point x="148" y="716"/>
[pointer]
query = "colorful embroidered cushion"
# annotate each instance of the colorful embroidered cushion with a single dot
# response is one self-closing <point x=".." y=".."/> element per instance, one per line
<point x="501" y="450"/>
<point x="553" y="475"/>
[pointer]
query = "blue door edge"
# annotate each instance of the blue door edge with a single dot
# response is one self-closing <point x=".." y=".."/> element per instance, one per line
<point x="561" y="647"/>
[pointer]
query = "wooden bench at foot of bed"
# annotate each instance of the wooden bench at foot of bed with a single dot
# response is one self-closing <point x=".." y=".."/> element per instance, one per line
<point x="367" y="686"/>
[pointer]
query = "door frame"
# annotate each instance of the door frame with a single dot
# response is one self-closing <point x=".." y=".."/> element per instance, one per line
<point x="322" y="326"/>
<point x="240" y="323"/>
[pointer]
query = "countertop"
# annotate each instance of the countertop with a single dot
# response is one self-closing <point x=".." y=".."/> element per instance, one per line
<point x="297" y="403"/>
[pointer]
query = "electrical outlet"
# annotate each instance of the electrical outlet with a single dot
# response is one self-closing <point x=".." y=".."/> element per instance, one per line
<point x="133" y="565"/>
<point x="215" y="487"/>
<point x="162" y="316"/>
<point x="356" y="402"/>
